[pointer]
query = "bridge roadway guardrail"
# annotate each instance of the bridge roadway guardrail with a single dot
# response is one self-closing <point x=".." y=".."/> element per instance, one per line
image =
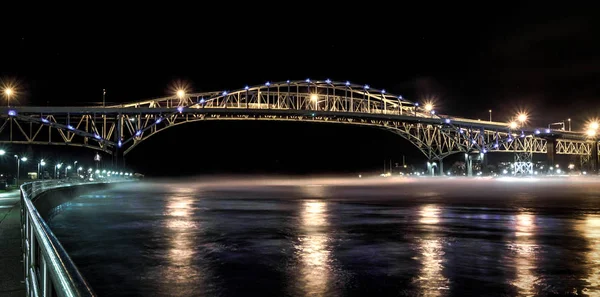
<point x="49" y="271"/>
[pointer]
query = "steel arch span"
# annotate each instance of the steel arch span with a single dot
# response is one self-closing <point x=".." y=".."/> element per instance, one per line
<point x="117" y="129"/>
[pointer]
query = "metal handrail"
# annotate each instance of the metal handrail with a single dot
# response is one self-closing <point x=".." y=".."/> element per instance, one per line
<point x="48" y="267"/>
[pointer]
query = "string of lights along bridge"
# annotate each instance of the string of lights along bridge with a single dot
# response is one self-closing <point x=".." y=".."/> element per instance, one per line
<point x="117" y="129"/>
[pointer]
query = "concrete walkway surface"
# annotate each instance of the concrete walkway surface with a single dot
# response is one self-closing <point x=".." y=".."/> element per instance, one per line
<point x="11" y="263"/>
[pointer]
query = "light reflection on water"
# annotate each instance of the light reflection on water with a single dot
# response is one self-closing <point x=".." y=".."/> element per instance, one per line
<point x="179" y="221"/>
<point x="313" y="248"/>
<point x="590" y="228"/>
<point x="431" y="281"/>
<point x="408" y="239"/>
<point x="525" y="249"/>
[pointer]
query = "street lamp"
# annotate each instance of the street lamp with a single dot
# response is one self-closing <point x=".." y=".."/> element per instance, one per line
<point x="2" y="152"/>
<point x="180" y="93"/>
<point x="24" y="159"/>
<point x="79" y="169"/>
<point x="490" y="111"/>
<point x="522" y="118"/>
<point x="514" y="125"/>
<point x="66" y="170"/>
<point x="56" y="167"/>
<point x="315" y="98"/>
<point x="569" y="120"/>
<point x="40" y="164"/>
<point x="8" y="92"/>
<point x="428" y="107"/>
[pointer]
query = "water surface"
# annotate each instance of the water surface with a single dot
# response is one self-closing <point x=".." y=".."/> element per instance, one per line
<point x="336" y="237"/>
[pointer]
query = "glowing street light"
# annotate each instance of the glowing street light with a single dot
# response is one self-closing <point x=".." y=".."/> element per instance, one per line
<point x="428" y="107"/>
<point x="180" y="93"/>
<point x="514" y="125"/>
<point x="2" y="152"/>
<point x="8" y="92"/>
<point x="591" y="133"/>
<point x="522" y="117"/>
<point x="594" y="126"/>
<point x="24" y="159"/>
<point x="315" y="98"/>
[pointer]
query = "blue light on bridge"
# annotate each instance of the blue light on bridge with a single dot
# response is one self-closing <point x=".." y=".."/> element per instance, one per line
<point x="158" y="120"/>
<point x="509" y="139"/>
<point x="416" y="103"/>
<point x="383" y="91"/>
<point x="308" y="80"/>
<point x="287" y="81"/>
<point x="180" y="108"/>
<point x="70" y="127"/>
<point x="97" y="136"/>
<point x="367" y="87"/>
<point x="484" y="151"/>
<point x="537" y="131"/>
<point x="347" y="83"/>
<point x="495" y="145"/>
<point x="202" y="101"/>
<point x="138" y="133"/>
<point x="447" y="121"/>
<point x="328" y="81"/>
<point x="547" y="130"/>
<point x="44" y="120"/>
<point x="224" y="93"/>
<point x="433" y="112"/>
<point x="267" y="84"/>
<point x="12" y="113"/>
<point x="246" y="88"/>
<point x="522" y="134"/>
<point x="400" y="97"/>
<point x="119" y="143"/>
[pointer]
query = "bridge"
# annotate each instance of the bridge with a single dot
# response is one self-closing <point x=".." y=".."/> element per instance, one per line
<point x="117" y="129"/>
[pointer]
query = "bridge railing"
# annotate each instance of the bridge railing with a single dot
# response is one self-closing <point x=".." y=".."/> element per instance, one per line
<point x="49" y="271"/>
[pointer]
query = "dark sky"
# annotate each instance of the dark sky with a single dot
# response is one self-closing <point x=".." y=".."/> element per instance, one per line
<point x="470" y="58"/>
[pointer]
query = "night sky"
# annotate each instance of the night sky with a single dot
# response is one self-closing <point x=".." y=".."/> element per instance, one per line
<point x="469" y="58"/>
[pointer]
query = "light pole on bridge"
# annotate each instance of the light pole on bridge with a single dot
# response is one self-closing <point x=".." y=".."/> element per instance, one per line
<point x="24" y="159"/>
<point x="490" y="115"/>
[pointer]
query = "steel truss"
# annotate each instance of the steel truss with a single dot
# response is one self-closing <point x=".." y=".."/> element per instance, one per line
<point x="523" y="163"/>
<point x="120" y="128"/>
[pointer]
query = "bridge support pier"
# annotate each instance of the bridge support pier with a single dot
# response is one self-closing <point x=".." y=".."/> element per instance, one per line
<point x="594" y="158"/>
<point x="523" y="163"/>
<point x="550" y="152"/>
<point x="469" y="164"/>
<point x="441" y="166"/>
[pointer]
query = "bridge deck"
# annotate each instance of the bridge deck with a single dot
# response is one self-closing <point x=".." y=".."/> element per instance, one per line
<point x="11" y="273"/>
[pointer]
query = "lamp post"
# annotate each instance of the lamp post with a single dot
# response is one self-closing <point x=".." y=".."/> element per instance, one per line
<point x="66" y="171"/>
<point x="40" y="165"/>
<point x="24" y="159"/>
<point x="56" y="167"/>
<point x="8" y="92"/>
<point x="490" y="114"/>
<point x="569" y="120"/>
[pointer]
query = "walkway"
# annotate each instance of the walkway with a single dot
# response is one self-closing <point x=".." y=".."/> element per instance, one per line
<point x="11" y="273"/>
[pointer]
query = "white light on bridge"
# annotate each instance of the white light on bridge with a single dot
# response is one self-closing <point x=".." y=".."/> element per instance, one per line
<point x="428" y="107"/>
<point x="328" y="81"/>
<point x="180" y="93"/>
<point x="514" y="125"/>
<point x="314" y="97"/>
<point x="347" y="83"/>
<point x="522" y="117"/>
<point x="591" y="133"/>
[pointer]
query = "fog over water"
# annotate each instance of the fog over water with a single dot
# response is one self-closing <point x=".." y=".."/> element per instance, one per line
<point x="236" y="236"/>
